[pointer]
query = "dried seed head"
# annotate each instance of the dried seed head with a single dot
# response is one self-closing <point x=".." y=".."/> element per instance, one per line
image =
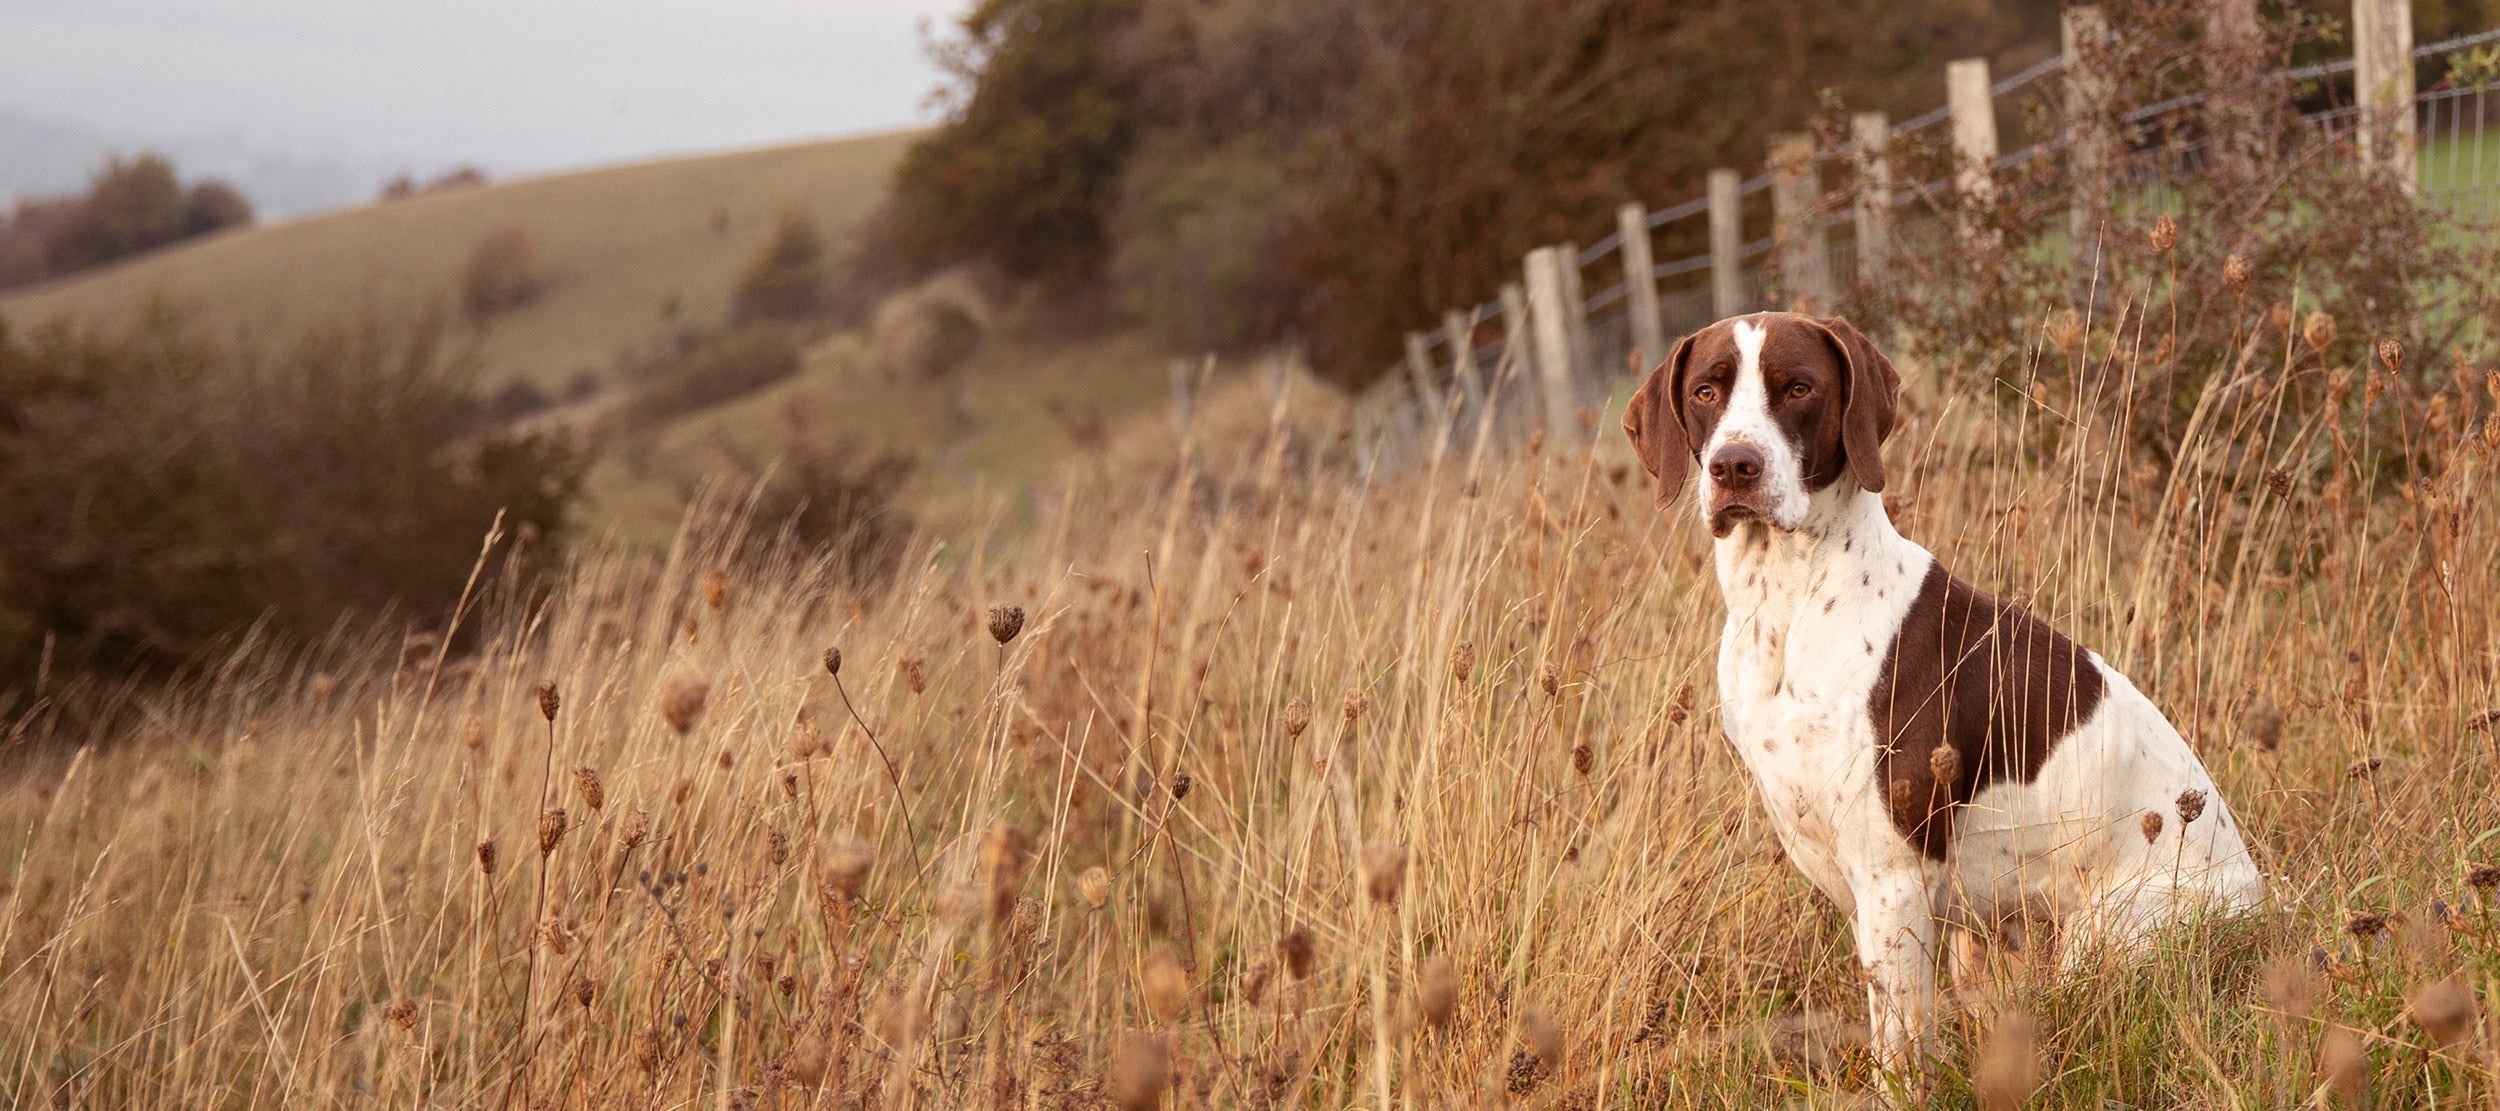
<point x="2165" y="233"/>
<point x="1181" y="784"/>
<point x="586" y="781"/>
<point x="2484" y="877"/>
<point x="1165" y="986"/>
<point x="914" y="676"/>
<point x="2264" y="726"/>
<point x="473" y="734"/>
<point x="548" y="700"/>
<point x="776" y="847"/>
<point x="1140" y="1073"/>
<point x="833" y="661"/>
<point x="1384" y="871"/>
<point x="2444" y="1009"/>
<point x="2375" y="385"/>
<point x="807" y="1061"/>
<point x="2009" y="1064"/>
<point x="1462" y="661"/>
<point x="2066" y="332"/>
<point x="2392" y="354"/>
<point x="2152" y="825"/>
<point x="1006" y="622"/>
<point x="1582" y="759"/>
<point x="681" y="703"/>
<point x="2191" y="806"/>
<point x="550" y="829"/>
<point x="1297" y="717"/>
<point x="583" y="990"/>
<point x="636" y="830"/>
<point x="2343" y="1063"/>
<point x="682" y="791"/>
<point x="2291" y="985"/>
<point x="846" y="866"/>
<point x="2235" y="273"/>
<point x="1436" y="992"/>
<point x="1299" y="952"/>
<point x="1902" y="795"/>
<point x="2318" y="331"/>
<point x="1254" y="982"/>
<point x="2366" y="927"/>
<point x="1548" y="681"/>
<point x="790" y="786"/>
<point x="1543" y="1038"/>
<point x="2280" y="315"/>
<point x="1094" y="885"/>
<point x="1944" y="762"/>
<point x="715" y="589"/>
<point x="1355" y="703"/>
<point x="403" y="1014"/>
<point x="486" y="856"/>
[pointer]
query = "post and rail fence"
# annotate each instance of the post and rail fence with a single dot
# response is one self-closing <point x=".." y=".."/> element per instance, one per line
<point x="1542" y="349"/>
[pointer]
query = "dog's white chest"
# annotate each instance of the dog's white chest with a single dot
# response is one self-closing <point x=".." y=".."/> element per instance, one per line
<point x="1809" y="621"/>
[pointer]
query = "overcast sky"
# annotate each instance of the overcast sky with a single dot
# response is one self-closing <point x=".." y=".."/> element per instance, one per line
<point x="515" y="85"/>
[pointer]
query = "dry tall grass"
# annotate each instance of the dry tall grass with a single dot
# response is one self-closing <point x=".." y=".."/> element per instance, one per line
<point x="1289" y="789"/>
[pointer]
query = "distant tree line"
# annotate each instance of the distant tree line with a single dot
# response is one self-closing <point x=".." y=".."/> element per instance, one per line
<point x="131" y="206"/>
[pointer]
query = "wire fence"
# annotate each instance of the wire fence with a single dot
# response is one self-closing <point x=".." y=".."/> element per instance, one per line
<point x="1479" y="367"/>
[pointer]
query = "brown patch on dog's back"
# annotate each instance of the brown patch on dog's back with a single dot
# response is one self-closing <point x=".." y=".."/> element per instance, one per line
<point x="1972" y="692"/>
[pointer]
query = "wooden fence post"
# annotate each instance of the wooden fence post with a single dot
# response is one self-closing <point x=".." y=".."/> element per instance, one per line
<point x="2091" y="140"/>
<point x="1419" y="373"/>
<point x="1575" y="311"/>
<point x="1796" y="193"/>
<point x="1974" y="111"/>
<point x="1640" y="280"/>
<point x="1547" y="303"/>
<point x="1461" y="327"/>
<point x="1727" y="243"/>
<point x="1871" y="211"/>
<point x="2234" y="65"/>
<point x="1518" y="346"/>
<point x="2382" y="54"/>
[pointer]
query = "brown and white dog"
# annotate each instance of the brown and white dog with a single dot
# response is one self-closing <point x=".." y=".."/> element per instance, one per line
<point x="1931" y="758"/>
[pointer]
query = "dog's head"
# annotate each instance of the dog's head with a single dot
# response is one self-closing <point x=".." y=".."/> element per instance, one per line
<point x="1774" y="406"/>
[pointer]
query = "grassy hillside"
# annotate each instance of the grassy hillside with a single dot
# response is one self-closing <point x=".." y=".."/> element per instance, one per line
<point x="613" y="246"/>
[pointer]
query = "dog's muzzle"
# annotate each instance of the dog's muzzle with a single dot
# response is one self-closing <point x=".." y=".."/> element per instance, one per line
<point x="1736" y="490"/>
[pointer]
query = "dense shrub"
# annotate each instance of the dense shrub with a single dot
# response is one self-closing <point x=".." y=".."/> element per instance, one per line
<point x="708" y="370"/>
<point x="501" y="274"/>
<point x="786" y="278"/>
<point x="131" y="206"/>
<point x="1025" y="169"/>
<point x="159" y="490"/>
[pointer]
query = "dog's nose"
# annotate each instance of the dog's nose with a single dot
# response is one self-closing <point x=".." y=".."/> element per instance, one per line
<point x="1736" y="467"/>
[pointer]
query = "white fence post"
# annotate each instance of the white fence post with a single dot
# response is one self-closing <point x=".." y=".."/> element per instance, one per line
<point x="1419" y="372"/>
<point x="1871" y="211"/>
<point x="1796" y="192"/>
<point x="2382" y="54"/>
<point x="1640" y="280"/>
<point x="1518" y="346"/>
<point x="1461" y="328"/>
<point x="1727" y="243"/>
<point x="1974" y="111"/>
<point x="1575" y="311"/>
<point x="1547" y="304"/>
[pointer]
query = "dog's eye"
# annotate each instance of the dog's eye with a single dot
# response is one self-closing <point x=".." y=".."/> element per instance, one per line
<point x="1705" y="393"/>
<point x="1800" y="389"/>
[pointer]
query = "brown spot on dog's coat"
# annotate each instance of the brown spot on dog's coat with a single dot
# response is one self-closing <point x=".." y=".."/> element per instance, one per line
<point x="1988" y="682"/>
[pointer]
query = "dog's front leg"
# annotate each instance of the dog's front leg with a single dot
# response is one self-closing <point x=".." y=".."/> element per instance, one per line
<point x="1897" y="937"/>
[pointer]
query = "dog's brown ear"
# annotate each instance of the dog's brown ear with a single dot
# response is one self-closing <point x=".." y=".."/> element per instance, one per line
<point x="1874" y="393"/>
<point x="1654" y="422"/>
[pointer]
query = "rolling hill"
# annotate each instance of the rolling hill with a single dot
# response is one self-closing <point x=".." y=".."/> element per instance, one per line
<point x="614" y="246"/>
